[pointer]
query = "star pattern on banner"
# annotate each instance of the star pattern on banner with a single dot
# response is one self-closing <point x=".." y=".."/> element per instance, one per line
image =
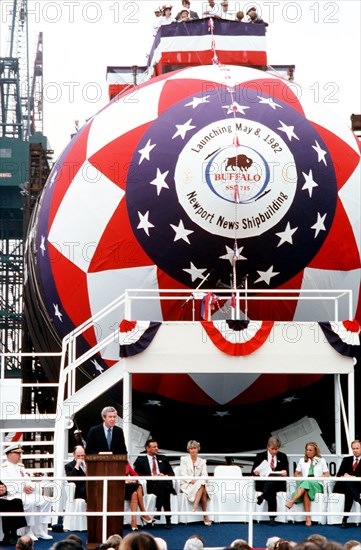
<point x="288" y="130"/>
<point x="266" y="276"/>
<point x="269" y="101"/>
<point x="235" y="108"/>
<point x="145" y="151"/>
<point x="196" y="101"/>
<point x="153" y="403"/>
<point x="182" y="129"/>
<point x="173" y="227"/>
<point x="230" y="254"/>
<point x="144" y="222"/>
<point x="57" y="312"/>
<point x="159" y="181"/>
<point x="286" y="235"/>
<point x="181" y="232"/>
<point x="194" y="272"/>
<point x="310" y="183"/>
<point x="320" y="224"/>
<point x="321" y="153"/>
<point x="222" y="413"/>
<point x="176" y="226"/>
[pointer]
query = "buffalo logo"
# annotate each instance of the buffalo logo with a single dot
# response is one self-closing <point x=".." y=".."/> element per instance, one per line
<point x="240" y="161"/>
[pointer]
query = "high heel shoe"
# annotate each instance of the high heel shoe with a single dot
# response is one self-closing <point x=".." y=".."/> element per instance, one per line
<point x="149" y="521"/>
<point x="207" y="521"/>
<point x="133" y="525"/>
<point x="290" y="504"/>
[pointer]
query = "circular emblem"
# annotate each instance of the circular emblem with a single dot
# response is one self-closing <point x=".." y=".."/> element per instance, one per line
<point x="226" y="172"/>
<point x="223" y="175"/>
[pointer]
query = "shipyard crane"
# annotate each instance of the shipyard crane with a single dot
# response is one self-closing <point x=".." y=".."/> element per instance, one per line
<point x="20" y="90"/>
<point x="24" y="167"/>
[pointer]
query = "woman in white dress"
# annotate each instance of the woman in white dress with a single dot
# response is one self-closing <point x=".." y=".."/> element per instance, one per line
<point x="312" y="465"/>
<point x="195" y="488"/>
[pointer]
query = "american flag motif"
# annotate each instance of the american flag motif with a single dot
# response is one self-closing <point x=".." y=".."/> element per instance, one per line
<point x="144" y="197"/>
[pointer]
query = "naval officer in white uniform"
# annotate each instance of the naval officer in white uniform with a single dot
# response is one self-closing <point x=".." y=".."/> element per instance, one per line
<point x="19" y="485"/>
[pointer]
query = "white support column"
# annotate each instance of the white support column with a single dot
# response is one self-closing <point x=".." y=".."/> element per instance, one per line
<point x="351" y="404"/>
<point x="337" y="414"/>
<point x="127" y="410"/>
<point x="127" y="306"/>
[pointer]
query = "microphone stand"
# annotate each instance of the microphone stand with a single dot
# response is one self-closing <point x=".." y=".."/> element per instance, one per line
<point x="191" y="296"/>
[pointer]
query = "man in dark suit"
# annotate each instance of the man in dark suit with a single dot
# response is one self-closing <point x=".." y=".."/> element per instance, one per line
<point x="350" y="468"/>
<point x="76" y="468"/>
<point x="156" y="465"/>
<point x="106" y="437"/>
<point x="278" y="464"/>
<point x="11" y="523"/>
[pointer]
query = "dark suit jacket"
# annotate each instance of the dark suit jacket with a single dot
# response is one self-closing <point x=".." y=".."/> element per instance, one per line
<point x="80" y="486"/>
<point x="141" y="466"/>
<point x="352" y="487"/>
<point x="346" y="467"/>
<point x="282" y="464"/>
<point x="97" y="443"/>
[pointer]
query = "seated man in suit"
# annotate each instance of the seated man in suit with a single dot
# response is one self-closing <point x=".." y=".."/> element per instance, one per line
<point x="106" y="437"/>
<point x="11" y="524"/>
<point x="278" y="463"/>
<point x="77" y="468"/>
<point x="350" y="468"/>
<point x="156" y="465"/>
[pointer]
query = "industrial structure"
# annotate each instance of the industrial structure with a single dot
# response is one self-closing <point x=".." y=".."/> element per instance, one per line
<point x="25" y="160"/>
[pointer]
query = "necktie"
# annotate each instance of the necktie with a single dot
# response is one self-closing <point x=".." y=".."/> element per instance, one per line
<point x="273" y="463"/>
<point x="355" y="464"/>
<point x="154" y="467"/>
<point x="109" y="438"/>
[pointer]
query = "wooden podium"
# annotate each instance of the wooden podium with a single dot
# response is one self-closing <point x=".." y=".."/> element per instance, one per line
<point x="104" y="465"/>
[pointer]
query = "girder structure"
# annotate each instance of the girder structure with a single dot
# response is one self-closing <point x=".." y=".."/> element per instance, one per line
<point x="14" y="77"/>
<point x="24" y="168"/>
<point x="11" y="301"/>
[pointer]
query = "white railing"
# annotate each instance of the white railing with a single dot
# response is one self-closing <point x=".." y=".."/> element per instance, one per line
<point x="244" y="296"/>
<point x="55" y="485"/>
<point x="70" y="361"/>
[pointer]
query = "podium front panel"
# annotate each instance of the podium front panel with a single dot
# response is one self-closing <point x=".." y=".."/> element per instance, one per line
<point x="104" y="466"/>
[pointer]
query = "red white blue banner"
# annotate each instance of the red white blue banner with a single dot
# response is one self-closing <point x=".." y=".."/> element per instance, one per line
<point x="136" y="336"/>
<point x="238" y="337"/>
<point x="344" y="337"/>
<point x="192" y="43"/>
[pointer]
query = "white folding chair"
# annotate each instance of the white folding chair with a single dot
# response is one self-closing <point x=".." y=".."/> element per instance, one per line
<point x="336" y="505"/>
<point x="182" y="503"/>
<point x="232" y="495"/>
<point x="317" y="505"/>
<point x="149" y="504"/>
<point x="281" y="507"/>
<point x="72" y="504"/>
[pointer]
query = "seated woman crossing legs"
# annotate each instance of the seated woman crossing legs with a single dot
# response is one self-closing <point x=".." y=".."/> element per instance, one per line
<point x="134" y="493"/>
<point x="312" y="465"/>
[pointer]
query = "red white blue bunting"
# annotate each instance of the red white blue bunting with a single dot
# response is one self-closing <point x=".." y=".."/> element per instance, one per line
<point x="136" y="336"/>
<point x="238" y="337"/>
<point x="344" y="337"/>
